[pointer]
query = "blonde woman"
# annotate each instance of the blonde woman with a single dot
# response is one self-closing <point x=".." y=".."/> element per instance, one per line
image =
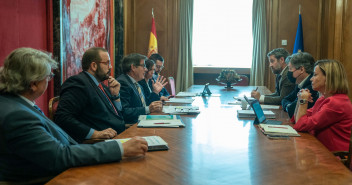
<point x="330" y="119"/>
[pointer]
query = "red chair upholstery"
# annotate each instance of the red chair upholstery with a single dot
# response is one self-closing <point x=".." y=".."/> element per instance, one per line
<point x="244" y="81"/>
<point x="172" y="86"/>
<point x="53" y="103"/>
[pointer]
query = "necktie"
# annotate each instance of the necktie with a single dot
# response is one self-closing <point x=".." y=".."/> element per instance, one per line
<point x="140" y="93"/>
<point x="278" y="77"/>
<point x="106" y="96"/>
<point x="36" y="107"/>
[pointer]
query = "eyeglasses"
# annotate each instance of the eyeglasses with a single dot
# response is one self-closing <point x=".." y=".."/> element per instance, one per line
<point x="106" y="63"/>
<point x="50" y="76"/>
<point x="160" y="67"/>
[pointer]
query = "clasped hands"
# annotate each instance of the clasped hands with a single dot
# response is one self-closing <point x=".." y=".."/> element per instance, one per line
<point x="304" y="94"/>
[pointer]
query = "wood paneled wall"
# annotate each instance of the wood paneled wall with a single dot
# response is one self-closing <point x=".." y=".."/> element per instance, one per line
<point x="327" y="29"/>
<point x="137" y="21"/>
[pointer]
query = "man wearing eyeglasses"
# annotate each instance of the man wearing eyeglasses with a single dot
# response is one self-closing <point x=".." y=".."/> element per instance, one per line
<point x="133" y="100"/>
<point x="159" y="65"/>
<point x="88" y="109"/>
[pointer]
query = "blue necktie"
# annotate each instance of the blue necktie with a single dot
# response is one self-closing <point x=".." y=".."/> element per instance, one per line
<point x="36" y="107"/>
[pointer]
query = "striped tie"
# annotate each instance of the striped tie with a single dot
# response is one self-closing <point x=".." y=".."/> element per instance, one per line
<point x="140" y="93"/>
<point x="106" y="96"/>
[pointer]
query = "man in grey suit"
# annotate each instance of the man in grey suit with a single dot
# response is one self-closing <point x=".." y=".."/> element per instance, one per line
<point x="283" y="87"/>
<point x="31" y="145"/>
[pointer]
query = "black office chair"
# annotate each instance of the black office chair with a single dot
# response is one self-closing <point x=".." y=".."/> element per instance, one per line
<point x="345" y="156"/>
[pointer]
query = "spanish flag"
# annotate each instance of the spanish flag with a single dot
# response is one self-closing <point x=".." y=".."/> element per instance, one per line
<point x="153" y="42"/>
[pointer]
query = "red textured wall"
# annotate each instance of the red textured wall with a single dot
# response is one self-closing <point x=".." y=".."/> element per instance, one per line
<point x="25" y="23"/>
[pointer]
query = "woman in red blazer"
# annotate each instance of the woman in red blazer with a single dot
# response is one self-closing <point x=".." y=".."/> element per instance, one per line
<point x="330" y="119"/>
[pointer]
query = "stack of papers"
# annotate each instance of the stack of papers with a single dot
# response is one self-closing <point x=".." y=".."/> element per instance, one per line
<point x="251" y="114"/>
<point x="181" y="110"/>
<point x="242" y="98"/>
<point x="187" y="94"/>
<point x="180" y="100"/>
<point x="270" y="106"/>
<point x="154" y="142"/>
<point x="278" y="130"/>
<point x="160" y="121"/>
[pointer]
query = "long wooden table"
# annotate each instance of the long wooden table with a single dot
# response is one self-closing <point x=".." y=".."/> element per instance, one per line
<point x="216" y="147"/>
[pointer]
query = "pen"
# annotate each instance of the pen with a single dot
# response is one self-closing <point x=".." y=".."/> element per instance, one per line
<point x="161" y="123"/>
<point x="277" y="127"/>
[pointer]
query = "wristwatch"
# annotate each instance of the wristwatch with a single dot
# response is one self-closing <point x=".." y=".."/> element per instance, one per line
<point x="303" y="101"/>
<point x="115" y="97"/>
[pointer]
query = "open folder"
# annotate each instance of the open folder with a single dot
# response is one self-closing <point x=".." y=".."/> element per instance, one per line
<point x="154" y="142"/>
<point x="160" y="121"/>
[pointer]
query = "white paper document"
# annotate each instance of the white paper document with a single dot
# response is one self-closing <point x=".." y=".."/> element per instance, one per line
<point x="187" y="94"/>
<point x="154" y="142"/>
<point x="250" y="114"/>
<point x="181" y="110"/>
<point x="180" y="100"/>
<point x="160" y="121"/>
<point x="270" y="106"/>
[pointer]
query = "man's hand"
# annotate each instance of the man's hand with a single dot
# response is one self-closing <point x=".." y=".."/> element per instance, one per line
<point x="104" y="134"/>
<point x="135" y="146"/>
<point x="114" y="86"/>
<point x="156" y="106"/>
<point x="164" y="98"/>
<point x="159" y="84"/>
<point x="255" y="94"/>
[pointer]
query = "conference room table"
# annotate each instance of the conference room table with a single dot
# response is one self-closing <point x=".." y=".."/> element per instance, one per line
<point x="217" y="147"/>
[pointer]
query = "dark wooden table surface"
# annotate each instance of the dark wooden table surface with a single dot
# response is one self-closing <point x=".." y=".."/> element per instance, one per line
<point x="216" y="147"/>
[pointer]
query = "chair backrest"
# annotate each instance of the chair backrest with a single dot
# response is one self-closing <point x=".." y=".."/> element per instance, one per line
<point x="172" y="86"/>
<point x="244" y="81"/>
<point x="349" y="155"/>
<point x="345" y="156"/>
<point x="53" y="103"/>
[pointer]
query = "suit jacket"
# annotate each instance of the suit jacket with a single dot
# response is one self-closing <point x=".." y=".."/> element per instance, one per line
<point x="290" y="101"/>
<point x="83" y="106"/>
<point x="163" y="91"/>
<point x="285" y="87"/>
<point x="131" y="102"/>
<point x="32" y="146"/>
<point x="149" y="96"/>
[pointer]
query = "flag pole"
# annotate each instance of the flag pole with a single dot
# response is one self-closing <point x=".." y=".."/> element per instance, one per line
<point x="299" y="10"/>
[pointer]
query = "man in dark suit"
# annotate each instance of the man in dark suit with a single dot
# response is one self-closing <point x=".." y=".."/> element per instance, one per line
<point x="278" y="65"/>
<point x="300" y="71"/>
<point x="87" y="108"/>
<point x="133" y="100"/>
<point x="159" y="65"/>
<point x="32" y="147"/>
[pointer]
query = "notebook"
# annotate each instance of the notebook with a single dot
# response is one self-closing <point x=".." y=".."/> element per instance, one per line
<point x="154" y="142"/>
<point x="171" y="121"/>
<point x="278" y="130"/>
<point x="260" y="117"/>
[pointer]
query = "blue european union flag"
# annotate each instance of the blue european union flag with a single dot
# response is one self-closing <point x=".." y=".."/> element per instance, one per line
<point x="299" y="37"/>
